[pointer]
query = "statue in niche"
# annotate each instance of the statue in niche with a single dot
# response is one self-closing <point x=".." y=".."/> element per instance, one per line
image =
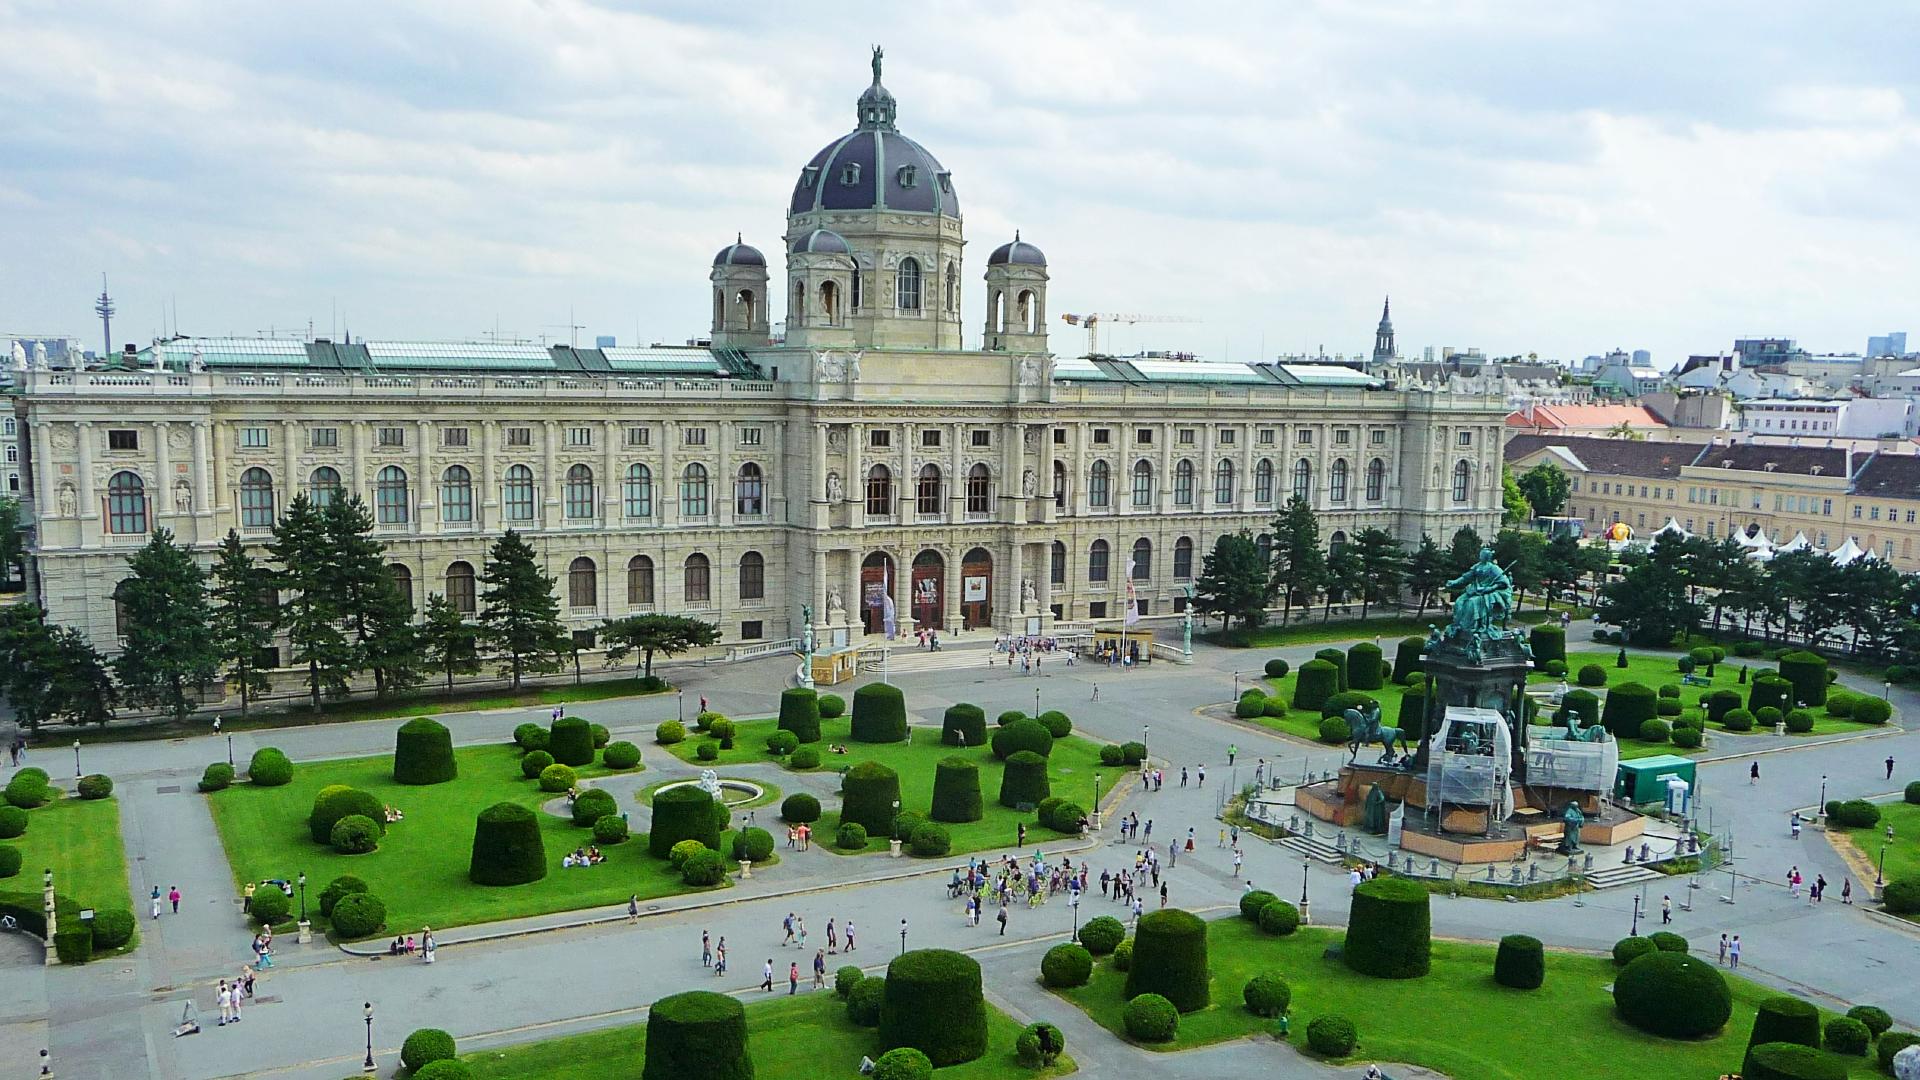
<point x="1029" y="483"/>
<point x="834" y="491"/>
<point x="836" y="606"/>
<point x="68" y="501"/>
<point x="1029" y="600"/>
<point x="182" y="497"/>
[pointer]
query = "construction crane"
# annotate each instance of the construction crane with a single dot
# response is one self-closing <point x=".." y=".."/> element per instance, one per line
<point x="1093" y="322"/>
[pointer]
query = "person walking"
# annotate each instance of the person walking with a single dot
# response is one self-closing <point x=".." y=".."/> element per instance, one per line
<point x="802" y="923"/>
<point x="720" y="957"/>
<point x="173" y="897"/>
<point x="706" y="949"/>
<point x="1163" y="894"/>
<point x="1723" y="950"/>
<point x="156" y="901"/>
<point x="1846" y="891"/>
<point x="1666" y="910"/>
<point x="1733" y="952"/>
<point x="633" y="908"/>
<point x="788" y="924"/>
<point x="1183" y="776"/>
<point x="224" y="997"/>
<point x="1002" y="917"/>
<point x="1173" y="854"/>
<point x="234" y="992"/>
<point x="833" y="939"/>
<point x="1232" y="752"/>
<point x="819" y="969"/>
<point x="849" y="932"/>
<point x="1753" y="774"/>
<point x="246" y="899"/>
<point x="793" y="978"/>
<point x="1237" y="857"/>
<point x="766" y="975"/>
<point x="1202" y="772"/>
<point x="1889" y="766"/>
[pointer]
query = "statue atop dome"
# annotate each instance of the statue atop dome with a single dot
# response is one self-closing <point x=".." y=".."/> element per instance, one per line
<point x="878" y="55"/>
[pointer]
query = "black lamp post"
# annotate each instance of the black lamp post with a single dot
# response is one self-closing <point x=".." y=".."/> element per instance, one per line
<point x="1073" y="905"/>
<point x="680" y="700"/>
<point x="1880" y="874"/>
<point x="1304" y="909"/>
<point x="76" y="759"/>
<point x="1143" y="745"/>
<point x="1635" y="932"/>
<point x="1820" y="809"/>
<point x="229" y="751"/>
<point x="368" y="1065"/>
<point x="303" y="896"/>
<point x="903" y="937"/>
<point x="1036" y="702"/>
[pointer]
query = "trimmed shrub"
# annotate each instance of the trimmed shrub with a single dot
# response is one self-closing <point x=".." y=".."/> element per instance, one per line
<point x="1799" y="721"/>
<point x="1252" y="902"/>
<point x="1024" y="782"/>
<point x="1363" y="666"/>
<point x="537" y="739"/>
<point x="270" y="906"/>
<point x="1655" y="731"/>
<point x="523" y="734"/>
<point x="1765" y="718"/>
<point x="1902" y="896"/>
<point x="1025" y="733"/>
<point x="1591" y="675"/>
<point x="1520" y="963"/>
<point x="703" y="720"/>
<point x="358" y="915"/>
<point x="868" y="793"/>
<point x="903" y="1063"/>
<point x="507" y="849"/>
<point x="1170" y="954"/>
<point x="1276" y="668"/>
<point x="1066" y="965"/>
<point x="1769" y="689"/>
<point x="1667" y="707"/>
<point x="1332" y="1036"/>
<point x="1872" y="710"/>
<point x="807" y="757"/>
<point x="336" y="801"/>
<point x="800" y="713"/>
<point x="27" y="792"/>
<point x="1252" y="703"/>
<point x="1102" y="934"/>
<point x="1737" y="720"/>
<point x="1672" y="994"/>
<point x="1667" y="941"/>
<point x="1389" y="929"/>
<point x="1133" y="753"/>
<point x="1412" y="720"/>
<point x="355" y="834"/>
<point x="1123" y="955"/>
<point x="1547" y="643"/>
<point x="425" y="1045"/>
<point x="1008" y="717"/>
<point x="697" y="1033"/>
<point x="1891" y="1043"/>
<point x="1279" y="918"/>
<point x="832" y="706"/>
<point x="1790" y="1061"/>
<point x="1912" y="793"/>
<point x="1669" y="690"/>
<point x="852" y="836"/>
<point x="1338" y="704"/>
<point x="722" y="729"/>
<point x="95" y="786"/>
<point x="556" y="778"/>
<point x="863" y="1001"/>
<point x="845" y="979"/>
<point x="1039" y="1045"/>
<point x="1334" y="730"/>
<point x="1808" y="674"/>
<point x="1855" y="814"/>
<point x="670" y="732"/>
<point x="1111" y="755"/>
<point x="1339" y="661"/>
<point x="1318" y="681"/>
<point x="444" y="1070"/>
<point x="1840" y="703"/>
<point x="423" y="752"/>
<point x="1583" y="703"/>
<point x="1556" y="668"/>
<point x="1874" y="1018"/>
<point x="707" y="750"/>
<point x="1719" y="703"/>
<point x="535" y="762"/>
<point x="601" y="736"/>
<point x="879" y="714"/>
<point x="782" y="743"/>
<point x="1057" y="723"/>
<point x="113" y="927"/>
<point x="13" y="821"/>
<point x="1687" y="738"/>
<point x="1842" y="1035"/>
<point x="611" y="829"/>
<point x="217" y="777"/>
<point x="800" y="808"/>
<point x="929" y="841"/>
<point x="620" y="755"/>
<point x="1628" y="706"/>
<point x="1629" y="949"/>
<point x="1407" y="659"/>
<point x="1064" y="816"/>
<point x="752" y="845"/>
<point x="270" y="768"/>
<point x="592" y="805"/>
<point x="570" y="741"/>
<point x="1267" y="995"/>
<point x="682" y="813"/>
<point x="704" y="868"/>
<point x="933" y="1003"/>
<point x="73" y="943"/>
<point x="343" y="886"/>
<point x="1150" y="1018"/>
<point x="956" y="791"/>
<point x="963" y="725"/>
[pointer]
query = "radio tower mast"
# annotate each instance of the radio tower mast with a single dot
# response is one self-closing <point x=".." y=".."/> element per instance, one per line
<point x="103" y="307"/>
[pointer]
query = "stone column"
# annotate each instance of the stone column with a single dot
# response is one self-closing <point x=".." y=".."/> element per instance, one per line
<point x="45" y="500"/>
<point x="949" y="589"/>
<point x="723" y="485"/>
<point x="1164" y="501"/>
<point x="1203" y="470"/>
<point x="488" y="500"/>
<point x="86" y="503"/>
<point x="856" y="480"/>
<point x="163" y="472"/>
<point x="1016" y="619"/>
<point x="550" y="480"/>
<point x="1077" y="482"/>
<point x="1012" y="462"/>
<point x="290" y="465"/>
<point x="666" y="489"/>
<point x="957" y="474"/>
<point x="356" y="481"/>
<point x="610" y="479"/>
<point x="1243" y="494"/>
<point x="222" y="449"/>
<point x="856" y="611"/>
<point x="775" y="476"/>
<point x="426" y="493"/>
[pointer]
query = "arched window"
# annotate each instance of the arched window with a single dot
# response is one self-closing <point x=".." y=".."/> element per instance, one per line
<point x="456" y="495"/>
<point x="1223" y="483"/>
<point x="830" y="301"/>
<point x="640" y="581"/>
<point x="1337" y="481"/>
<point x="693" y="491"/>
<point x="402" y="582"/>
<point x="859" y="292"/>
<point x="1097" y="561"/>
<point x="323" y="486"/>
<point x="1462" y="480"/>
<point x="256" y="499"/>
<point x="1264" y="545"/>
<point x="1263" y="482"/>
<point x="1183" y="484"/>
<point x="583" y="584"/>
<point x="460" y="588"/>
<point x="697" y="580"/>
<point x="1059" y="485"/>
<point x="516" y="494"/>
<point x="1303" y="480"/>
<point x="636" y="494"/>
<point x="907" y="287"/>
<point x="879" y="491"/>
<point x="953" y="286"/>
<point x="579" y="501"/>
<point x="1376" y="480"/>
<point x="749" y="302"/>
<point x="1057" y="570"/>
<point x="390" y="497"/>
<point x="979" y="490"/>
<point x="1183" y="558"/>
<point x="1099" y="484"/>
<point x="753" y="576"/>
<point x="750" y="491"/>
<point x="926" y="496"/>
<point x="1142" y="484"/>
<point x="1143" y="559"/>
<point x="126" y="504"/>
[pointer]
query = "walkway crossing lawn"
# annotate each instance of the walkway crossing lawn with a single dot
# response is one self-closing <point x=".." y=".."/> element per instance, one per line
<point x="420" y="869"/>
<point x="1903" y="854"/>
<point x="789" y="1038"/>
<point x="1456" y="1019"/>
<point x="79" y="839"/>
<point x="1070" y="771"/>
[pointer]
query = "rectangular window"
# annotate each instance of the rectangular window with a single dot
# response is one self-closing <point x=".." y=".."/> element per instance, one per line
<point x="1826" y="507"/>
<point x="1059" y="436"/>
<point x="749" y="436"/>
<point x="1874" y="515"/>
<point x="253" y="438"/>
<point x="1185" y="436"/>
<point x="519" y="436"/>
<point x="981" y="437"/>
<point x="123" y="439"/>
<point x="1143" y="437"/>
<point x="391" y="436"/>
<point x="1304" y="437"/>
<point x="1342" y="437"/>
<point x="1228" y="436"/>
<point x="880" y="437"/>
<point x="1856" y="513"/>
<point x="1097" y="609"/>
<point x="579" y="436"/>
<point x="930" y="438"/>
<point x="1466" y="438"/>
<point x="750" y="631"/>
<point x="639" y="436"/>
<point x="323" y="437"/>
<point x="693" y="436"/>
<point x="1102" y="436"/>
<point x="1266" y="436"/>
<point x="1377" y="437"/>
<point x="453" y="437"/>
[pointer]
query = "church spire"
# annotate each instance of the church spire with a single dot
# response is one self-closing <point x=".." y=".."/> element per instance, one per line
<point x="1383" y="347"/>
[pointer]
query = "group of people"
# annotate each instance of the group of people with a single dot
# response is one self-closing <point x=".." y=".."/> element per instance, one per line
<point x="231" y="995"/>
<point x="928" y="638"/>
<point x="407" y="946"/>
<point x="392" y="813"/>
<point x="1817" y="892"/>
<point x="1026" y="652"/>
<point x="799" y="837"/>
<point x="582" y="856"/>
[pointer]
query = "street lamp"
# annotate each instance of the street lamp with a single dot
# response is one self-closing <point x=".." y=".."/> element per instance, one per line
<point x="1036" y="702"/>
<point x="1880" y="874"/>
<point x="76" y="759"/>
<point x="368" y="1065"/>
<point x="1636" y="917"/>
<point x="1886" y="690"/>
<point x="1073" y="904"/>
<point x="1303" y="892"/>
<point x="1820" y="809"/>
<point x="229" y="751"/>
<point x="903" y="937"/>
<point x="303" y="896"/>
<point x="1143" y="744"/>
<point x="680" y="700"/>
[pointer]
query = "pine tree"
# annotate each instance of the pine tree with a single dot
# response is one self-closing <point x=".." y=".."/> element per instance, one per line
<point x="449" y="643"/>
<point x="1382" y="565"/>
<point x="168" y="645"/>
<point x="1560" y="566"/>
<point x="1463" y="552"/>
<point x="379" y="618"/>
<point x="244" y="621"/>
<point x="1427" y="571"/>
<point x="520" y="617"/>
<point x="1299" y="564"/>
<point x="13" y="539"/>
<point x="650" y="634"/>
<point x="1650" y="604"/>
<point x="311" y="613"/>
<point x="1233" y="581"/>
<point x="83" y="691"/>
<point x="1343" y="577"/>
<point x="27" y="663"/>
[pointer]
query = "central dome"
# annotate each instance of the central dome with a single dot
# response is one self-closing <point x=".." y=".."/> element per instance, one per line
<point x="874" y="167"/>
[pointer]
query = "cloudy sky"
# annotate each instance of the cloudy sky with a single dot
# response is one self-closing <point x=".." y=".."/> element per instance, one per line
<point x="1559" y="178"/>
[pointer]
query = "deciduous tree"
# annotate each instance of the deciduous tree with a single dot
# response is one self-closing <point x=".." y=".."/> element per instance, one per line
<point x="667" y="635"/>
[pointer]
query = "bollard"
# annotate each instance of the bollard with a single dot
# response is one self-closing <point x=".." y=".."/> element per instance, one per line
<point x="746" y="867"/>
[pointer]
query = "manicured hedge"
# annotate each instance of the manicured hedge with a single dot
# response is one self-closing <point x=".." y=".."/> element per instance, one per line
<point x="670" y="732"/>
<point x="507" y="849"/>
<point x="903" y="1063"/>
<point x="1655" y="731"/>
<point x="1412" y="720"/>
<point x="535" y="762"/>
<point x="73" y="943"/>
<point x="1279" y="918"/>
<point x="269" y="906"/>
<point x="1808" y="674"/>
<point x="851" y="836"/>
<point x="1039" y="1044"/>
<point x="1339" y="661"/>
<point x="270" y="767"/>
<point x="1318" y="681"/>
<point x="94" y="786"/>
<point x="964" y="725"/>
<point x="592" y="805"/>
<point x="1407" y="661"/>
<point x="1591" y="675"/>
<point x="1719" y="703"/>
<point x="800" y="808"/>
<point x="611" y="829"/>
<point x="1057" y="723"/>
<point x="570" y="741"/>
<point x="752" y="845"/>
<point x="10" y="860"/>
<point x="1389" y="929"/>
<point x="355" y="834"/>
<point x="703" y="868"/>
<point x="620" y="755"/>
<point x="1025" y="733"/>
<point x="13" y="821"/>
<point x="1332" y="1036"/>
<point x="1334" y="730"/>
<point x="868" y="793"/>
<point x="1790" y="1061"/>
<point x="342" y="886"/>
<point x="1872" y="710"/>
<point x="423" y="752"/>
<point x="1891" y="1043"/>
<point x="1737" y="720"/>
<point x="933" y="1003"/>
<point x="929" y="841"/>
<point x="1629" y="949"/>
<point x="1520" y="963"/>
<point x="1363" y="667"/>
<point x="1102" y="934"/>
<point x="557" y="778"/>
<point x="1151" y="1018"/>
<point x="697" y="1033"/>
<point x="1628" y="707"/>
<point x="1667" y="941"/>
<point x="1024" y="781"/>
<point x="425" y="1045"/>
<point x="1769" y="689"/>
<point x="530" y="736"/>
<point x="956" y="790"/>
<point x="218" y="777"/>
<point x="1170" y="958"/>
<point x="1252" y="704"/>
<point x="27" y="791"/>
<point x="1340" y="703"/>
<point x="1672" y="994"/>
<point x="800" y="713"/>
<point x="1582" y="703"/>
<point x="879" y="714"/>
<point x="1876" y="1019"/>
<point x="1252" y="902"/>
<point x="1066" y="965"/>
<point x="358" y="915"/>
<point x="1276" y="668"/>
<point x="336" y="801"/>
<point x="681" y="813"/>
<point x="1267" y="995"/>
<point x="1842" y="1034"/>
<point x="1547" y="643"/>
<point x="113" y="927"/>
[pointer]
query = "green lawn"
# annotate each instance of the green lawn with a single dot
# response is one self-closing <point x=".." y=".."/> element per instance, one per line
<point x="1903" y="854"/>
<point x="1071" y="769"/>
<point x="79" y="839"/>
<point x="1456" y="1020"/>
<point x="790" y="1038"/>
<point x="420" y="870"/>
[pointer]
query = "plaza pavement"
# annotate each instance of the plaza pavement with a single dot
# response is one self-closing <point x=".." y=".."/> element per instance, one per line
<point x="113" y="1018"/>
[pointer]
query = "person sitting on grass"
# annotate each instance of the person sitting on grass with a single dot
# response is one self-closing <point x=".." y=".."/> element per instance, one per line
<point x="836" y="748"/>
<point x="594" y="858"/>
<point x="572" y="794"/>
<point x="393" y="813"/>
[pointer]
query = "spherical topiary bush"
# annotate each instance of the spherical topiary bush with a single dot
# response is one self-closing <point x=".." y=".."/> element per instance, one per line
<point x="601" y="736"/>
<point x="1279" y="918"/>
<point x="423" y="752"/>
<point x="1667" y="941"/>
<point x="800" y="808"/>
<point x="1854" y="814"/>
<point x="217" y="777"/>
<point x="1332" y="1036"/>
<point x="845" y="979"/>
<point x="1057" y="723"/>
<point x="1784" y="1019"/>
<point x="1719" y="703"/>
<point x="1133" y="753"/>
<point x="1389" y="929"/>
<point x="1629" y="949"/>
<point x="1252" y="703"/>
<point x="1808" y="674"/>
<point x="1766" y="717"/>
<point x="342" y="886"/>
<point x="1591" y="675"/>
<point x="1025" y="733"/>
<point x="1170" y="958"/>
<point x="782" y="743"/>
<point x="1363" y="667"/>
<point x="1318" y="680"/>
<point x="851" y="836"/>
<point x="1150" y="1018"/>
<point x="929" y="841"/>
<point x="611" y="829"/>
<point x="592" y="805"/>
<point x="879" y="714"/>
<point x="1687" y="738"/>
<point x="452" y="1069"/>
<point x="1547" y="643"/>
<point x="1102" y="934"/>
<point x="1267" y="995"/>
<point x="1520" y="963"/>
<point x="1672" y="994"/>
<point x="863" y="1001"/>
<point x="1891" y="1043"/>
<point x="1123" y="955"/>
<point x="1790" y="1061"/>
<point x="1628" y="706"/>
<point x="535" y="762"/>
<point x="1334" y="730"/>
<point x="1039" y="1044"/>
<point x="1876" y="1019"/>
<point x="556" y="778"/>
<point x="27" y="791"/>
<point x="681" y="813"/>
<point x="1066" y="965"/>
<point x="355" y="834"/>
<point x="269" y="906"/>
<point x="704" y="868"/>
<point x="94" y="786"/>
<point x="425" y="1045"/>
<point x="336" y="801"/>
<point x="1338" y="704"/>
<point x="1668" y="707"/>
<point x="1769" y="689"/>
<point x="113" y="927"/>
<point x="752" y="845"/>
<point x="1872" y="710"/>
<point x="868" y="795"/>
<point x="527" y="735"/>
<point x="933" y="1003"/>
<point x="270" y="767"/>
<point x="1737" y="720"/>
<point x="1252" y="902"/>
<point x="807" y="757"/>
<point x="956" y="791"/>
<point x="13" y="821"/>
<point x="903" y="1063"/>
<point x="1845" y="1035"/>
<point x="570" y="741"/>
<point x="1584" y="704"/>
<point x="963" y="725"/>
<point x="697" y="1034"/>
<point x="1799" y="721"/>
<point x="506" y="846"/>
<point x="620" y="755"/>
<point x="1024" y="781"/>
<point x="670" y="732"/>
<point x="800" y="713"/>
<point x="1276" y="668"/>
<point x="1655" y="731"/>
<point x="358" y="915"/>
<point x="832" y="706"/>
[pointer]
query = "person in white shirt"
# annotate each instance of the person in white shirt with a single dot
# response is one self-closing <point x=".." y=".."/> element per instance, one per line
<point x="225" y="998"/>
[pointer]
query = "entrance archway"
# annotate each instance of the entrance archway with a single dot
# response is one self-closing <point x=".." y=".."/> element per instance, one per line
<point x="976" y="589"/>
<point x="929" y="588"/>
<point x="877" y="579"/>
